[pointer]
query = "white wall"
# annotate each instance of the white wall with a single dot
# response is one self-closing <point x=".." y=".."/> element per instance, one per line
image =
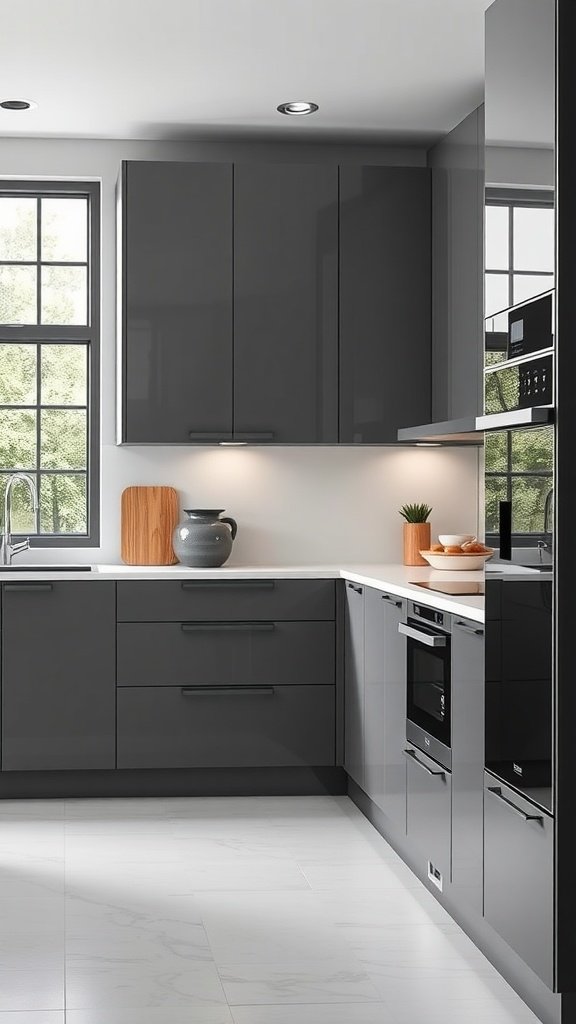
<point x="293" y="504"/>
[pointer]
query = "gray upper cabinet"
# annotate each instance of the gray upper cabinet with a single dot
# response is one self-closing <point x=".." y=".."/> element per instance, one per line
<point x="467" y="760"/>
<point x="457" y="164"/>
<point x="58" y="675"/>
<point x="176" y="302"/>
<point x="385" y="706"/>
<point x="286" y="303"/>
<point x="385" y="301"/>
<point x="354" y="682"/>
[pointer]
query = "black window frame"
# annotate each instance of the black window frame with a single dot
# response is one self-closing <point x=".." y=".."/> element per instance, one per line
<point x="497" y="341"/>
<point x="88" y="335"/>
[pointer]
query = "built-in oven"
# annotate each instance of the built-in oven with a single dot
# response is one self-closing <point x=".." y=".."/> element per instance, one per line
<point x="428" y="696"/>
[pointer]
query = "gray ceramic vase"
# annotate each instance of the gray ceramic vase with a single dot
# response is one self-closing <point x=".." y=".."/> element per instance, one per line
<point x="204" y="540"/>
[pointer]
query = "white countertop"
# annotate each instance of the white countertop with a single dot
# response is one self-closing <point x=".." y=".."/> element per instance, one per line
<point x="398" y="579"/>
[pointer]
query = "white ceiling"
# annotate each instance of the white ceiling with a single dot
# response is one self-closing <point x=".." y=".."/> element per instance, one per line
<point x="405" y="70"/>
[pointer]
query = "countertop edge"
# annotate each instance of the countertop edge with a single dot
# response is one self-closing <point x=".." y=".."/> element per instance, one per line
<point x="395" y="578"/>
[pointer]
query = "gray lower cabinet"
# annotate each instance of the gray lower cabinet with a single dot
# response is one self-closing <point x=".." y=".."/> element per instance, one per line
<point x="518" y="875"/>
<point x="385" y="301"/>
<point x="212" y="653"/>
<point x="215" y="600"/>
<point x="286" y="302"/>
<point x="225" y="727"/>
<point x="176" y="301"/>
<point x="467" y="691"/>
<point x="385" y="706"/>
<point x="354" y="682"/>
<point x="58" y="675"/>
<point x="429" y="789"/>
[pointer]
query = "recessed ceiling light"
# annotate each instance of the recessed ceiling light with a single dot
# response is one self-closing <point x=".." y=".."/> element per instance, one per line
<point x="17" y="104"/>
<point x="428" y="444"/>
<point x="297" y="108"/>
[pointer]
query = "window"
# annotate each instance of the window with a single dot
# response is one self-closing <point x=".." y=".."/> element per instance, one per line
<point x="519" y="254"/>
<point x="49" y="356"/>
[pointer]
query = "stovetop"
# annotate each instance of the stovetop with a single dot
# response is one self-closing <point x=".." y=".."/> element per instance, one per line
<point x="454" y="588"/>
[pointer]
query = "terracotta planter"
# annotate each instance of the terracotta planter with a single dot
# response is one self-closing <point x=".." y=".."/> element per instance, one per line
<point x="416" y="539"/>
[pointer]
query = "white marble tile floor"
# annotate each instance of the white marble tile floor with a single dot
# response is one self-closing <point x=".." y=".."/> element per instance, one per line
<point x="226" y="911"/>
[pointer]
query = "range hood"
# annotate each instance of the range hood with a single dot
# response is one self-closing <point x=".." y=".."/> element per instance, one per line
<point x="471" y="429"/>
<point x="454" y="432"/>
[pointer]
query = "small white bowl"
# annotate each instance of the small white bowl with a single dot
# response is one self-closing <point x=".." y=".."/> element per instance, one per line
<point x="472" y="560"/>
<point x="455" y="539"/>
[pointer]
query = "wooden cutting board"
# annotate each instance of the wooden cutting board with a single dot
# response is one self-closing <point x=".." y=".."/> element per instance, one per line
<point x="149" y="516"/>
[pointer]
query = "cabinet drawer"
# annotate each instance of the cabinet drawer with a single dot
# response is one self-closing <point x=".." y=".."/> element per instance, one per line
<point x="173" y="727"/>
<point x="165" y="601"/>
<point x="178" y="653"/>
<point x="429" y="789"/>
<point x="518" y="875"/>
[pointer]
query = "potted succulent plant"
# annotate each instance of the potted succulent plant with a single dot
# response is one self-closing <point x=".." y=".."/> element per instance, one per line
<point x="416" y="532"/>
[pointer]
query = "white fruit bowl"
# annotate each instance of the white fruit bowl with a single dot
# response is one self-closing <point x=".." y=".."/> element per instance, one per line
<point x="454" y="540"/>
<point x="466" y="560"/>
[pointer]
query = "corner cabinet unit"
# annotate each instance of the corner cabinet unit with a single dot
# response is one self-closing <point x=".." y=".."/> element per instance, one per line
<point x="58" y="675"/>
<point x="276" y="303"/>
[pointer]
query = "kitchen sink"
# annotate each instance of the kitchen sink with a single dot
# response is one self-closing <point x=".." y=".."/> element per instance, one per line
<point x="46" y="568"/>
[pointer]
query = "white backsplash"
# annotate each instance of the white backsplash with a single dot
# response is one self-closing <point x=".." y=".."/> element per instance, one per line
<point x="297" y="505"/>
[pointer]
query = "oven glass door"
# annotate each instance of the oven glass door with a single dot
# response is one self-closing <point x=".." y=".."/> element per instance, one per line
<point x="428" y="689"/>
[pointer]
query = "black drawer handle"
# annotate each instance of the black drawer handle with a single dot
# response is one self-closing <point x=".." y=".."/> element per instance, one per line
<point x="228" y="584"/>
<point x="386" y="597"/>
<point x="352" y="586"/>
<point x="209" y="436"/>
<point x="227" y="691"/>
<point x="227" y="627"/>
<point x="27" y="587"/>
<point x="497" y="792"/>
<point x="412" y="755"/>
<point x="469" y="629"/>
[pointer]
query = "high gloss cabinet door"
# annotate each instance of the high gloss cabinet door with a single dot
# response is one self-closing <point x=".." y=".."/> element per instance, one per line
<point x="519" y="875"/>
<point x="385" y="301"/>
<point x="176" y="251"/>
<point x="467" y="676"/>
<point x="354" y="682"/>
<point x="58" y="675"/>
<point x="286" y="303"/>
<point x="385" y="706"/>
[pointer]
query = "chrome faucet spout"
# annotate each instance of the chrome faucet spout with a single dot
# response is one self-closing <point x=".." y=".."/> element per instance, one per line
<point x="7" y="548"/>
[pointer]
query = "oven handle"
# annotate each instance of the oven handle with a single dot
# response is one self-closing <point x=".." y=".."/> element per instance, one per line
<point x="431" y="640"/>
<point x="412" y="755"/>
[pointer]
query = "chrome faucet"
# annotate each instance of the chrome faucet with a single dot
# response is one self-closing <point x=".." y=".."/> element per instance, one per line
<point x="7" y="548"/>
